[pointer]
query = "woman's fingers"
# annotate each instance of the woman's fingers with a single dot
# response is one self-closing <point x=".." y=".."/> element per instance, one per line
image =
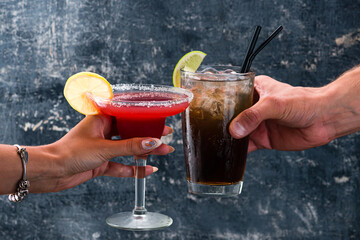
<point x="167" y="131"/>
<point x="162" y="150"/>
<point x="131" y="146"/>
<point x="120" y="170"/>
<point x="134" y="146"/>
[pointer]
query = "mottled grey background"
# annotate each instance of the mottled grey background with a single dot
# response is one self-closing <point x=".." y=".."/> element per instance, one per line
<point x="313" y="194"/>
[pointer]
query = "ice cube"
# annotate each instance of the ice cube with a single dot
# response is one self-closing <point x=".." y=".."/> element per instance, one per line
<point x="232" y="77"/>
<point x="208" y="70"/>
<point x="198" y="113"/>
<point x="229" y="71"/>
<point x="207" y="103"/>
<point x="209" y="76"/>
<point x="194" y="77"/>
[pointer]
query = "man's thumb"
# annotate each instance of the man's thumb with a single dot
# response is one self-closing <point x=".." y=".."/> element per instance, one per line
<point x="246" y="122"/>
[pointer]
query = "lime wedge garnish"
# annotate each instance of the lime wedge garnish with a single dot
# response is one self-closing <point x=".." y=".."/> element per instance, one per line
<point x="190" y="62"/>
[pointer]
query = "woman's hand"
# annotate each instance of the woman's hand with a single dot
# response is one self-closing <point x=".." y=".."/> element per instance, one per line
<point x="84" y="153"/>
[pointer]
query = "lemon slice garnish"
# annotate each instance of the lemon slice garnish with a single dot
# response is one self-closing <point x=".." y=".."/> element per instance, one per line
<point x="79" y="86"/>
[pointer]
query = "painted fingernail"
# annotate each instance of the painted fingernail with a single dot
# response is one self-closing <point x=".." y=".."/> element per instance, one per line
<point x="171" y="149"/>
<point x="155" y="169"/>
<point x="151" y="143"/>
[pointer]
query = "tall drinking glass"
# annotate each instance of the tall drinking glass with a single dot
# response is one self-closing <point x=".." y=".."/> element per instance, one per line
<point x="215" y="161"/>
<point x="140" y="111"/>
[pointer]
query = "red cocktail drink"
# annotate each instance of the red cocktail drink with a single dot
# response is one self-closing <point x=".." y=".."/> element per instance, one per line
<point x="143" y="114"/>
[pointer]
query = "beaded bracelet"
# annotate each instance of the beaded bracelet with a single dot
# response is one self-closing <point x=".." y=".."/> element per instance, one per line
<point x="23" y="184"/>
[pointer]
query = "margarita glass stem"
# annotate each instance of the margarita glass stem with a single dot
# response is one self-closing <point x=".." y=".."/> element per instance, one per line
<point x="140" y="185"/>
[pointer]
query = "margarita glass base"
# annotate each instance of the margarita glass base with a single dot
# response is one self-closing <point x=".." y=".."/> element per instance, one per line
<point x="144" y="222"/>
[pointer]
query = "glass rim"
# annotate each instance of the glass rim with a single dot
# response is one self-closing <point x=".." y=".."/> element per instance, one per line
<point x="146" y="88"/>
<point x="221" y="76"/>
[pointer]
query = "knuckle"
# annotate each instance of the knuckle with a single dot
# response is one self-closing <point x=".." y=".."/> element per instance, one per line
<point x="263" y="78"/>
<point x="131" y="145"/>
<point x="274" y="101"/>
<point x="251" y="116"/>
<point x="278" y="106"/>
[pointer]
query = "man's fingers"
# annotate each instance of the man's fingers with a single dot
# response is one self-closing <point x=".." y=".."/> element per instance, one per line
<point x="120" y="170"/>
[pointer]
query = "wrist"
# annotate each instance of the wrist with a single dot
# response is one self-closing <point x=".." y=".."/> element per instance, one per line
<point x="342" y="115"/>
<point x="44" y="168"/>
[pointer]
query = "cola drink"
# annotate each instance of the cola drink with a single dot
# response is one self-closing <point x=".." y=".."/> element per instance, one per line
<point x="215" y="161"/>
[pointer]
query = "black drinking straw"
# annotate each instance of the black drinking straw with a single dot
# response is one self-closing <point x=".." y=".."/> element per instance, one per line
<point x="250" y="48"/>
<point x="266" y="42"/>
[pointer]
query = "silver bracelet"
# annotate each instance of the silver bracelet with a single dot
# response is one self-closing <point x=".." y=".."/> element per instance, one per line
<point x="23" y="184"/>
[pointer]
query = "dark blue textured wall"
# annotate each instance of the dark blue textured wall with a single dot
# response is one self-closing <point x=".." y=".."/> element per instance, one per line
<point x="313" y="194"/>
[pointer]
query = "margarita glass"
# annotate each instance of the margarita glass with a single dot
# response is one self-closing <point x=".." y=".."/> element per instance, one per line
<point x="141" y="111"/>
